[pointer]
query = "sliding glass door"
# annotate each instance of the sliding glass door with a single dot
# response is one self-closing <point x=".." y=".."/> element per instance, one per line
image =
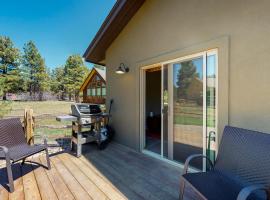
<point x="189" y="107"/>
<point x="186" y="120"/>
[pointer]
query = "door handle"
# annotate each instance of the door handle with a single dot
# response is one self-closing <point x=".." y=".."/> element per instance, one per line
<point x="211" y="136"/>
<point x="165" y="110"/>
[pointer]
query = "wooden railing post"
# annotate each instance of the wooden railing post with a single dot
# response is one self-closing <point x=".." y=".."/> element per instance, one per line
<point x="29" y="123"/>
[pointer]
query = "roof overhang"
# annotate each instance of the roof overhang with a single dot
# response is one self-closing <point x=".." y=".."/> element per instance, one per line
<point x="120" y="15"/>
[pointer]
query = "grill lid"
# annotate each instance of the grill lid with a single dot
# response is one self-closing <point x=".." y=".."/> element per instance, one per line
<point x="89" y="108"/>
<point x="79" y="109"/>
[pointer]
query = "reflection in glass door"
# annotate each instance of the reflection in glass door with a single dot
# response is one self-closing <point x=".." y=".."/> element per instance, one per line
<point x="187" y="109"/>
<point x="191" y="116"/>
<point x="211" y="104"/>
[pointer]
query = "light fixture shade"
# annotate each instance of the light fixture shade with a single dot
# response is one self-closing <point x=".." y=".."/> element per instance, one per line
<point x="119" y="70"/>
<point x="122" y="69"/>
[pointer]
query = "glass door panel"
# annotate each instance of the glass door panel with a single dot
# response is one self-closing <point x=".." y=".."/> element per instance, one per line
<point x="211" y="107"/>
<point x="165" y="110"/>
<point x="153" y="98"/>
<point x="187" y="101"/>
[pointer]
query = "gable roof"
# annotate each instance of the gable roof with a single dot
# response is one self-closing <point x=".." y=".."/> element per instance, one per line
<point x="100" y="72"/>
<point x="119" y="16"/>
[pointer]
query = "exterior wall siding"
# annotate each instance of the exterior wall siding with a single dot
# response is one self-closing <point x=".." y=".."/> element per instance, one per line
<point x="163" y="30"/>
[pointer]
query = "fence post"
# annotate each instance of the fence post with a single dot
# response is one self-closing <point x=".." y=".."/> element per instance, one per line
<point x="29" y="124"/>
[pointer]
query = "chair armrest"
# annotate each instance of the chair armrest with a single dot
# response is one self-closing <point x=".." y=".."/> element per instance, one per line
<point x="245" y="192"/>
<point x="188" y="160"/>
<point x="6" y="151"/>
<point x="38" y="136"/>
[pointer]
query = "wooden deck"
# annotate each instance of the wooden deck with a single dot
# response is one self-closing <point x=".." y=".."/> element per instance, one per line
<point x="115" y="173"/>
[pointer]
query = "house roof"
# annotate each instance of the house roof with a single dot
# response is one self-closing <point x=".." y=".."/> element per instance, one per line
<point x="119" y="16"/>
<point x="100" y="72"/>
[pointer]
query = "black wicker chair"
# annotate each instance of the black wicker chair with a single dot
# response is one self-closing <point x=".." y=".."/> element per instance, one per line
<point x="14" y="147"/>
<point x="241" y="170"/>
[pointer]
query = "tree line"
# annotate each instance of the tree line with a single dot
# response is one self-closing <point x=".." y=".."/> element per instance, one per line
<point x="26" y="71"/>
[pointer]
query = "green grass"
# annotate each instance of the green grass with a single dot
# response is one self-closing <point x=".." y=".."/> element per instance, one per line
<point x="187" y="120"/>
<point x="41" y="107"/>
<point x="5" y="108"/>
<point x="53" y="132"/>
<point x="189" y="113"/>
<point x="45" y="113"/>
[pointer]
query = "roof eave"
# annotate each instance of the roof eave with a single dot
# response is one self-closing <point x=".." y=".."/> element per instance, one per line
<point x="119" y="16"/>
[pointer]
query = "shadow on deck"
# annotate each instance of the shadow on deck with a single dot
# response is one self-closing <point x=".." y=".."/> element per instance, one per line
<point x="115" y="173"/>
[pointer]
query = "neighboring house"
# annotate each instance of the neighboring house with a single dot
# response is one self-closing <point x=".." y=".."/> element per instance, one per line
<point x="94" y="87"/>
<point x="227" y="40"/>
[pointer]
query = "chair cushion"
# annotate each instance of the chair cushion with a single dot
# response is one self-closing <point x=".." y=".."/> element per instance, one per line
<point x="21" y="151"/>
<point x="215" y="186"/>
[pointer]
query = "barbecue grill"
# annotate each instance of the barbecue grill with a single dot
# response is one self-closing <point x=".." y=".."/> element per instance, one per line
<point x="86" y="113"/>
<point x="89" y="124"/>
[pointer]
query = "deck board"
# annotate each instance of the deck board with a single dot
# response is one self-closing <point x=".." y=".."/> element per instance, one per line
<point x="161" y="185"/>
<point x="71" y="182"/>
<point x="61" y="189"/>
<point x="138" y="184"/>
<point x="111" y="192"/>
<point x="116" y="173"/>
<point x="31" y="190"/>
<point x="85" y="182"/>
<point x="45" y="187"/>
<point x="112" y="179"/>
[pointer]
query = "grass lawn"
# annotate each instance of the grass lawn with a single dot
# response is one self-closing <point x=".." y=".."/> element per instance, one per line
<point x="192" y="114"/>
<point x="40" y="107"/>
<point x="187" y="120"/>
<point x="45" y="113"/>
<point x="5" y="107"/>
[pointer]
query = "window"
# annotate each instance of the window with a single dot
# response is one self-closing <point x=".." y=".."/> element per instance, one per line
<point x="103" y="91"/>
<point x="93" y="93"/>
<point x="88" y="92"/>
<point x="98" y="91"/>
<point x="96" y="87"/>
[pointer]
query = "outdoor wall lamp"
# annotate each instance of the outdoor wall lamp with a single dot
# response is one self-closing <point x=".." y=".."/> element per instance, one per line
<point x="122" y="69"/>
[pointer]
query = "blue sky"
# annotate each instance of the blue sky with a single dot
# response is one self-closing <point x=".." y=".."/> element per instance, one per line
<point x="59" y="28"/>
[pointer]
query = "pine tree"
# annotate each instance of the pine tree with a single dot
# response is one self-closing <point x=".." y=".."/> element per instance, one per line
<point x="57" y="82"/>
<point x="74" y="73"/>
<point x="185" y="75"/>
<point x="35" y="72"/>
<point x="11" y="80"/>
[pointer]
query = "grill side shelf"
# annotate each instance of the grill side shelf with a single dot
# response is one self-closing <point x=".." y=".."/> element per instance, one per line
<point x="66" y="118"/>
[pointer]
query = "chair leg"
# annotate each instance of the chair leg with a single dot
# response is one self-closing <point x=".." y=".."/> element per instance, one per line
<point x="182" y="189"/>
<point x="10" y="176"/>
<point x="23" y="161"/>
<point x="48" y="159"/>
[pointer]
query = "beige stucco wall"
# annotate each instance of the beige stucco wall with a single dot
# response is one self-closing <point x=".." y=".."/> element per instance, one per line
<point x="163" y="30"/>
